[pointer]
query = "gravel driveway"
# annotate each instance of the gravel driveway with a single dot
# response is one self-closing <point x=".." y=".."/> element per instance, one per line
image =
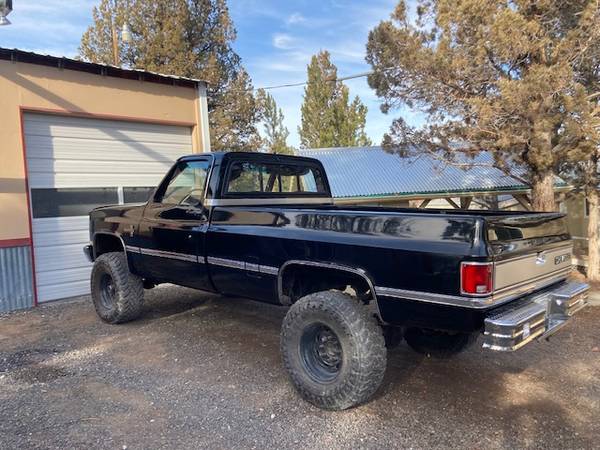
<point x="200" y="371"/>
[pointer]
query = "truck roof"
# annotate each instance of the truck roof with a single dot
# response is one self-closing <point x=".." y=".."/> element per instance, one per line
<point x="222" y="155"/>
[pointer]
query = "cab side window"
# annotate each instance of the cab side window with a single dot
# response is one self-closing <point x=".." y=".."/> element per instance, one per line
<point x="187" y="184"/>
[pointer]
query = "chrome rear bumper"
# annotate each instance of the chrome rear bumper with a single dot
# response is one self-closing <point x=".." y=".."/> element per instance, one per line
<point x="535" y="316"/>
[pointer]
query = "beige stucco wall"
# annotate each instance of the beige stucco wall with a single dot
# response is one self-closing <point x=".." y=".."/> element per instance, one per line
<point x="40" y="87"/>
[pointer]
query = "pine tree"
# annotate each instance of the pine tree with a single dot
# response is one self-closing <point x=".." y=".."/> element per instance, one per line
<point x="189" y="38"/>
<point x="275" y="132"/>
<point x="495" y="75"/>
<point x="328" y="118"/>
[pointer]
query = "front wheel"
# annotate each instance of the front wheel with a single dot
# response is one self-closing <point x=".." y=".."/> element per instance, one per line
<point x="333" y="349"/>
<point x="438" y="344"/>
<point x="118" y="295"/>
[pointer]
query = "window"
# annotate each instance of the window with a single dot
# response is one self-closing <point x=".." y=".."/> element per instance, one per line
<point x="136" y="194"/>
<point x="586" y="212"/>
<point x="186" y="185"/>
<point x="274" y="179"/>
<point x="69" y="202"/>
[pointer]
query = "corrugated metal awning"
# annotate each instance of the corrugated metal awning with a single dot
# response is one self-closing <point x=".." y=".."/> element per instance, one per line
<point x="62" y="62"/>
<point x="364" y="172"/>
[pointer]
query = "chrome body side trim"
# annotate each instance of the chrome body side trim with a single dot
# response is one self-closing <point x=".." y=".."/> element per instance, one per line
<point x="117" y="235"/>
<point x="242" y="265"/>
<point x="132" y="249"/>
<point x="233" y="264"/>
<point x="169" y="255"/>
<point x="496" y="298"/>
<point x="269" y="270"/>
<point x="440" y="299"/>
<point x="355" y="270"/>
<point x="268" y="201"/>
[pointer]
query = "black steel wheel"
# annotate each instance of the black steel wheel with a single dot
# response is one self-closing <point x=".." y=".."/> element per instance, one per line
<point x="108" y="291"/>
<point x="333" y="350"/>
<point x="321" y="353"/>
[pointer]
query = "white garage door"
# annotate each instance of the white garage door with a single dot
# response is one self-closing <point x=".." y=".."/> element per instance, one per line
<point x="76" y="164"/>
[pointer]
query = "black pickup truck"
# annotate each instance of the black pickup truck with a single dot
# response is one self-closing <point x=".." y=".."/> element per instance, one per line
<point x="356" y="279"/>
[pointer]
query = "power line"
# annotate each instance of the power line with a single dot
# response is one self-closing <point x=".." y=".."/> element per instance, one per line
<point x="333" y="80"/>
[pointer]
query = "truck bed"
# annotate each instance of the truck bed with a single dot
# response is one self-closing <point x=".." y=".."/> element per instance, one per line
<point x="404" y="249"/>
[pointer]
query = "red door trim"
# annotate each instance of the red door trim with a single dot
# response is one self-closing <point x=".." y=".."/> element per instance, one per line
<point x="26" y="172"/>
<point x="7" y="243"/>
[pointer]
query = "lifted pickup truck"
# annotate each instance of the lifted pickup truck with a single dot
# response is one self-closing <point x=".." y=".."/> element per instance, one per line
<point x="264" y="227"/>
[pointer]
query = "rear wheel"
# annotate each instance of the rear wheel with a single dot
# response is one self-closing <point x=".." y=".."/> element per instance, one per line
<point x="438" y="344"/>
<point x="333" y="350"/>
<point x="118" y="295"/>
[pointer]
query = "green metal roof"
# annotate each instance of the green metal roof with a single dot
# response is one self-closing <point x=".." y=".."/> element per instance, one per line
<point x="373" y="172"/>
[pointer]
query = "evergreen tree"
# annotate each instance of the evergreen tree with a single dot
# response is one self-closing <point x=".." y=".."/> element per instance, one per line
<point x="275" y="132"/>
<point x="328" y="118"/>
<point x="503" y="76"/>
<point x="188" y="38"/>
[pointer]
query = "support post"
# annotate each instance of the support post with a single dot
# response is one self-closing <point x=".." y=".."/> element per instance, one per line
<point x="203" y="131"/>
<point x="452" y="203"/>
<point x="523" y="201"/>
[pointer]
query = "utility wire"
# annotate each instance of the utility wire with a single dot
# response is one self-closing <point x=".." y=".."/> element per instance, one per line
<point x="333" y="80"/>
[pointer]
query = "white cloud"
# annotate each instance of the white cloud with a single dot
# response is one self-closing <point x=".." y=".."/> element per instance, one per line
<point x="295" y="18"/>
<point x="49" y="27"/>
<point x="283" y="41"/>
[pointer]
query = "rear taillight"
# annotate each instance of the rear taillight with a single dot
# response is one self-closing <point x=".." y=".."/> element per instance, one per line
<point x="476" y="278"/>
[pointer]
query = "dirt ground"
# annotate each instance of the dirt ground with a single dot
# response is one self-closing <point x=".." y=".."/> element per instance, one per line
<point x="200" y="371"/>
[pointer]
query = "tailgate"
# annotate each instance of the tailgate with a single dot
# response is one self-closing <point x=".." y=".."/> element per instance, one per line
<point x="531" y="250"/>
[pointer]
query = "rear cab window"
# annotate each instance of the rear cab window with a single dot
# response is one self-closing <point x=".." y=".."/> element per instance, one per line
<point x="279" y="179"/>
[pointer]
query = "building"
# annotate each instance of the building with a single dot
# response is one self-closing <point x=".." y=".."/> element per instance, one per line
<point x="76" y="135"/>
<point x="372" y="176"/>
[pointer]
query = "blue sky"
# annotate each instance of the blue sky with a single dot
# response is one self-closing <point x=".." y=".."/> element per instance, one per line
<point x="275" y="40"/>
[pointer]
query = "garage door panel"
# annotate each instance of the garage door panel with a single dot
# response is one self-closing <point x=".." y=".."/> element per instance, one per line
<point x="55" y="225"/>
<point x="91" y="129"/>
<point x="57" y="232"/>
<point x="60" y="257"/>
<point x="53" y="277"/>
<point x="74" y="163"/>
<point x="63" y="290"/>
<point x="65" y="148"/>
<point x="63" y="238"/>
<point x="69" y="166"/>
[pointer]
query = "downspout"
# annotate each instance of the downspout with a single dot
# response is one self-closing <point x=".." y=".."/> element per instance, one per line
<point x="203" y="131"/>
